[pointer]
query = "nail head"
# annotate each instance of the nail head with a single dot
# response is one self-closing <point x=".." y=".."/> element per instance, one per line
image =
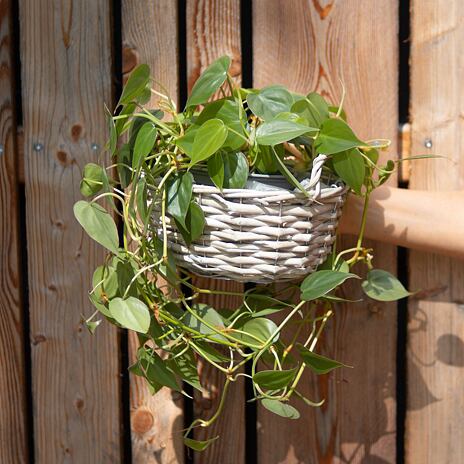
<point x="2" y="149"/>
<point x="94" y="146"/>
<point x="38" y="146"/>
<point x="428" y="143"/>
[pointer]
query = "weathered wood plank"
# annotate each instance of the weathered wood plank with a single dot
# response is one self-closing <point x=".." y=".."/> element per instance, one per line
<point x="13" y="428"/>
<point x="314" y="45"/>
<point x="435" y="375"/>
<point x="213" y="30"/>
<point x="66" y="77"/>
<point x="150" y="36"/>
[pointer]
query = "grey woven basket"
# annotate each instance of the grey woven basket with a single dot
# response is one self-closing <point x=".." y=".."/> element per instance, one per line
<point x="260" y="236"/>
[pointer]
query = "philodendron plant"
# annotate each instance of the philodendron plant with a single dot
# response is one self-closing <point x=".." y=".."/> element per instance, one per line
<point x="229" y="132"/>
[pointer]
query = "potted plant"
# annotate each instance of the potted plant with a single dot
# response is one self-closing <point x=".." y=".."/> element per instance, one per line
<point x="243" y="184"/>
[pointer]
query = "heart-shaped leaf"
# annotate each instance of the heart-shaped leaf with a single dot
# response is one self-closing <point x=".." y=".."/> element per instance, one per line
<point x="210" y="316"/>
<point x="136" y="84"/>
<point x="274" y="380"/>
<point x="313" y="108"/>
<point x="382" y="286"/>
<point x="349" y="165"/>
<point x="319" y="364"/>
<point x="179" y="193"/>
<point x="155" y="370"/>
<point x="98" y="224"/>
<point x="131" y="313"/>
<point x="144" y="142"/>
<point x="280" y="408"/>
<point x="199" y="445"/>
<point x="336" y="136"/>
<point x="194" y="223"/>
<point x="257" y="331"/>
<point x="216" y="170"/>
<point x="228" y="111"/>
<point x="320" y="283"/>
<point x="92" y="179"/>
<point x="209" y="82"/>
<point x="209" y="138"/>
<point x="270" y="101"/>
<point x="279" y="131"/>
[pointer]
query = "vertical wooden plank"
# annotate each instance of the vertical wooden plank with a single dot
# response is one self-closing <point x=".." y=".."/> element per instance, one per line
<point x="313" y="45"/>
<point x="12" y="370"/>
<point x="66" y="78"/>
<point x="213" y="30"/>
<point x="150" y="36"/>
<point x="435" y="403"/>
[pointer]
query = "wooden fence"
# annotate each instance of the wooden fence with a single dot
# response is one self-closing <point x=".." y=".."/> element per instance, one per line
<point x="66" y="396"/>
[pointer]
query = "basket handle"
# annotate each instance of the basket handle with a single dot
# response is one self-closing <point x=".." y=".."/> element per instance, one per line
<point x="316" y="172"/>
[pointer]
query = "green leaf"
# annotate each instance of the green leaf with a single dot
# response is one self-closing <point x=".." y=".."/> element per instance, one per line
<point x="179" y="193"/>
<point x="210" y="316"/>
<point x="92" y="325"/>
<point x="194" y="223"/>
<point x="155" y="370"/>
<point x="274" y="380"/>
<point x="235" y="170"/>
<point x="228" y="170"/>
<point x="209" y="138"/>
<point x="313" y="108"/>
<point x="142" y="200"/>
<point x="257" y="331"/>
<point x="228" y="111"/>
<point x="336" y="136"/>
<point x="206" y="350"/>
<point x="382" y="286"/>
<point x="209" y="82"/>
<point x="185" y="366"/>
<point x="138" y="122"/>
<point x="389" y="169"/>
<point x="144" y="142"/>
<point x="105" y="282"/>
<point x="92" y="179"/>
<point x="349" y="165"/>
<point x="319" y="364"/>
<point x="199" y="445"/>
<point x="265" y="161"/>
<point x="320" y="283"/>
<point x="270" y="101"/>
<point x="280" y="408"/>
<point x="216" y="170"/>
<point x="136" y="84"/>
<point x="279" y="131"/>
<point x="98" y="224"/>
<point x="131" y="313"/>
<point x="124" y="158"/>
<point x="185" y="143"/>
<point x="111" y="144"/>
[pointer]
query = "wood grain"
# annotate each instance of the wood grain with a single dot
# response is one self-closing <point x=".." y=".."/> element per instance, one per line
<point x="213" y="30"/>
<point x="66" y="78"/>
<point x="434" y="419"/>
<point x="13" y="385"/>
<point x="312" y="45"/>
<point x="150" y="36"/>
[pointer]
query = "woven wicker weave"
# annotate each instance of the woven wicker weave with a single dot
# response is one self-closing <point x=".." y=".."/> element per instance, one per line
<point x="260" y="236"/>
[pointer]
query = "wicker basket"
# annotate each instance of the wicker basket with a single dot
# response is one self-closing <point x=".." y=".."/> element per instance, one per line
<point x="260" y="236"/>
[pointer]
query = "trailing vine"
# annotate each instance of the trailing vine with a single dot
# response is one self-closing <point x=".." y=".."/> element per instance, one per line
<point x="227" y="133"/>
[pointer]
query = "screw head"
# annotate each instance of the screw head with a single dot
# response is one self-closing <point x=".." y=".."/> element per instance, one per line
<point x="428" y="143"/>
<point x="37" y="146"/>
<point x="94" y="146"/>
